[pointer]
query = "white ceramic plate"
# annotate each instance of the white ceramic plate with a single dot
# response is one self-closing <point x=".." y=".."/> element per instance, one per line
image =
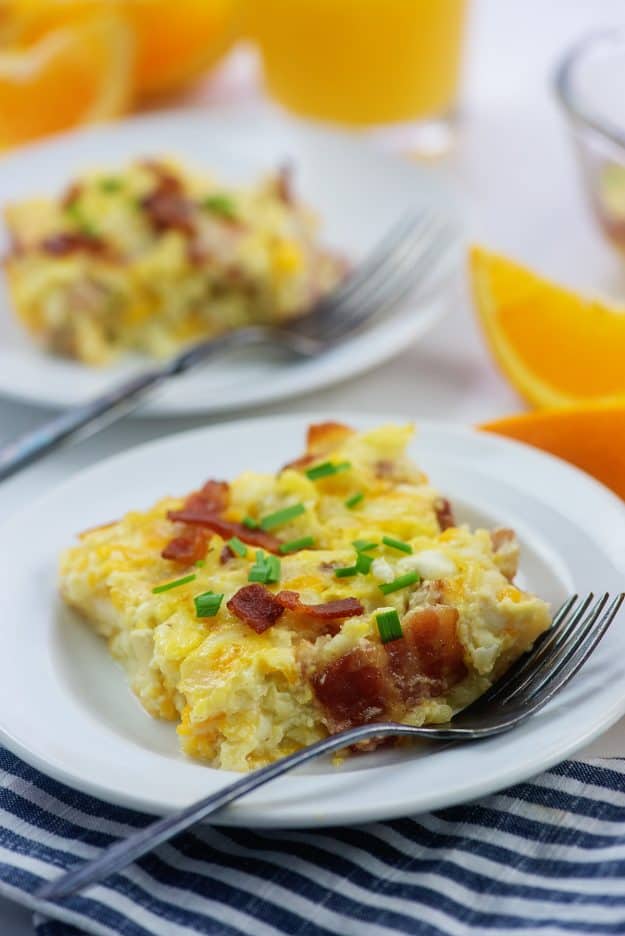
<point x="357" y="190"/>
<point x="65" y="706"/>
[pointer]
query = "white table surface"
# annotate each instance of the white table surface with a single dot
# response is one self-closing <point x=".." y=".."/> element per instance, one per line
<point x="516" y="166"/>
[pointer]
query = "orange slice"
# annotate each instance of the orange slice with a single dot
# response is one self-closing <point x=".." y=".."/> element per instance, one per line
<point x="76" y="74"/>
<point x="591" y="437"/>
<point x="556" y="347"/>
<point x="175" y="39"/>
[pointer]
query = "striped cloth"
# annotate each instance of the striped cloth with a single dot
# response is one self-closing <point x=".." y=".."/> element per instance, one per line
<point x="545" y="857"/>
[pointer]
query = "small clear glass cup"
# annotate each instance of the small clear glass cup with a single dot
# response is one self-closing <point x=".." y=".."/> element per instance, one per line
<point x="590" y="84"/>
<point x="390" y="66"/>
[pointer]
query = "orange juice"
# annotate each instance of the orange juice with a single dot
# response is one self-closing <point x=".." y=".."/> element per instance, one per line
<point x="360" y="61"/>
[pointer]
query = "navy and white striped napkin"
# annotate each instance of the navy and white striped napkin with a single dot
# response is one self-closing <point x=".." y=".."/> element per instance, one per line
<point x="545" y="857"/>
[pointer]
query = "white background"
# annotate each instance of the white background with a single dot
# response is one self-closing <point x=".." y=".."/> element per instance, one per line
<point x="516" y="165"/>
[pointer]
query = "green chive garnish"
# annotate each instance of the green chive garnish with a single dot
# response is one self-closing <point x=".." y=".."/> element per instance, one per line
<point x="364" y="545"/>
<point x="304" y="543"/>
<point x="237" y="546"/>
<point x="110" y="184"/>
<point x="354" y="500"/>
<point x="174" y="584"/>
<point x="207" y="604"/>
<point x="397" y="544"/>
<point x="389" y="625"/>
<point x="250" y="523"/>
<point x="346" y="571"/>
<point x="200" y="563"/>
<point x="76" y="214"/>
<point x="411" y="578"/>
<point x="219" y="204"/>
<point x="363" y="562"/>
<point x="281" y="516"/>
<point x="325" y="469"/>
<point x="266" y="569"/>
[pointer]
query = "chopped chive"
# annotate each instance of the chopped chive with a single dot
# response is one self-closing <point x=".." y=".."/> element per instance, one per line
<point x="110" y="184"/>
<point x="389" y="625"/>
<point x="411" y="578"/>
<point x="219" y="204"/>
<point x="346" y="571"/>
<point x="200" y="563"/>
<point x="364" y="545"/>
<point x="181" y="581"/>
<point x="207" y="604"/>
<point x="74" y="211"/>
<point x="325" y="469"/>
<point x="281" y="516"/>
<point x="273" y="569"/>
<point x="237" y="546"/>
<point x="266" y="569"/>
<point x="250" y="523"/>
<point x="397" y="544"/>
<point x="364" y="562"/>
<point x="303" y="543"/>
<point x="354" y="500"/>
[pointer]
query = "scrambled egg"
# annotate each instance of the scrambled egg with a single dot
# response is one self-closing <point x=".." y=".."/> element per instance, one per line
<point x="152" y="257"/>
<point x="242" y="698"/>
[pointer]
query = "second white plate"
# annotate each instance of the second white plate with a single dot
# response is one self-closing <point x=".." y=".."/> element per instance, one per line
<point x="358" y="191"/>
<point x="65" y="706"/>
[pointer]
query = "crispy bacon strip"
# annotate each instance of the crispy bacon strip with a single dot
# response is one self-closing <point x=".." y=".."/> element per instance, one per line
<point x="188" y="548"/>
<point x="353" y="689"/>
<point x="429" y="659"/>
<point x="166" y="206"/>
<point x="328" y="611"/>
<point x="256" y="606"/>
<point x="68" y="242"/>
<point x="226" y="528"/>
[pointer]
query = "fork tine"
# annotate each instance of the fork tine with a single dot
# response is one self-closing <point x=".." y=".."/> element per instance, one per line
<point x="561" y="625"/>
<point x="582" y="652"/>
<point x="552" y="663"/>
<point x="398" y="234"/>
<point x="397" y="285"/>
<point x="415" y="235"/>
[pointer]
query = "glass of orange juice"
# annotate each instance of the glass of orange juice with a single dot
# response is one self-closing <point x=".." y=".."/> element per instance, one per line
<point x="364" y="62"/>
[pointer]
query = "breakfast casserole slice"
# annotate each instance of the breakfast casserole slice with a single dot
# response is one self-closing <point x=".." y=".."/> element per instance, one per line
<point x="153" y="257"/>
<point x="265" y="613"/>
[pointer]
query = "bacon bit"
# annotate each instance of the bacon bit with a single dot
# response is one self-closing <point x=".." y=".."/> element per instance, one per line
<point x="256" y="606"/>
<point x="302" y="462"/>
<point x="353" y="689"/>
<point x="429" y="658"/>
<point x="213" y="497"/>
<point x="328" y="611"/>
<point x="169" y="212"/>
<point x="322" y="437"/>
<point x="68" y="242"/>
<point x="226" y="555"/>
<point x="444" y="513"/>
<point x="166" y="180"/>
<point x="227" y="528"/>
<point x="188" y="548"/>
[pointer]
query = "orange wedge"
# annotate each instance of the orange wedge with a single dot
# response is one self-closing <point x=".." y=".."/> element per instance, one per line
<point x="75" y="74"/>
<point x="591" y="437"/>
<point x="556" y="347"/>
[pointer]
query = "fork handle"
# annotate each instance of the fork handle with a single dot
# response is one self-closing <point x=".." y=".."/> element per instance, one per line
<point x="87" y="418"/>
<point x="124" y="852"/>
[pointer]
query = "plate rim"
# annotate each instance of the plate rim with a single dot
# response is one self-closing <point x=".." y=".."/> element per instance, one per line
<point x="240" y="814"/>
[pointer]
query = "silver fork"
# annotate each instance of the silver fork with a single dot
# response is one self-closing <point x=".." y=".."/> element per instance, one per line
<point x="404" y="258"/>
<point x="527" y="686"/>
